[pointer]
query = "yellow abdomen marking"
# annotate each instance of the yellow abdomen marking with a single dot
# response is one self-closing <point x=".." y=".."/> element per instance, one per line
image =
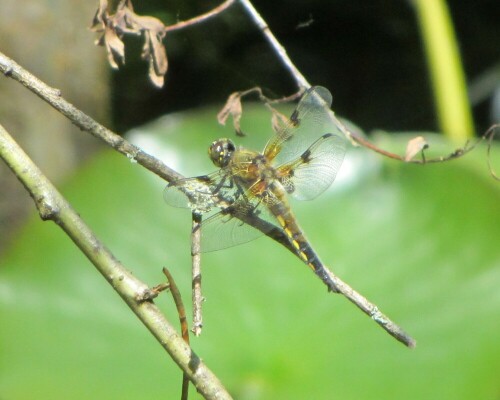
<point x="295" y="244"/>
<point x="287" y="230"/>
<point x="281" y="221"/>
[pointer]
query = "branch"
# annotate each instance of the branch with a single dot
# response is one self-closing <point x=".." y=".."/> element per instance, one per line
<point x="300" y="79"/>
<point x="200" y="18"/>
<point x="372" y="311"/>
<point x="114" y="19"/>
<point x="176" y="295"/>
<point x="361" y="302"/>
<point x="53" y="96"/>
<point x="197" y="297"/>
<point x="302" y="84"/>
<point x="52" y="206"/>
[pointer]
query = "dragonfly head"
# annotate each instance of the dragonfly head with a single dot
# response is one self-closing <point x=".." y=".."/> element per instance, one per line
<point x="221" y="151"/>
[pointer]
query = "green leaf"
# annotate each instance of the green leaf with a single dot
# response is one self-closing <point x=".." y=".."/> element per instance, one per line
<point x="419" y="241"/>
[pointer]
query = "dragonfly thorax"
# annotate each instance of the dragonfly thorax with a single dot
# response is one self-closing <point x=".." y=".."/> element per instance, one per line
<point x="221" y="151"/>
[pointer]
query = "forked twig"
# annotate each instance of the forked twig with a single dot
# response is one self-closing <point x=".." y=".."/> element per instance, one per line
<point x="360" y="301"/>
<point x="302" y="83"/>
<point x="53" y="97"/>
<point x="181" y="311"/>
<point x="52" y="206"/>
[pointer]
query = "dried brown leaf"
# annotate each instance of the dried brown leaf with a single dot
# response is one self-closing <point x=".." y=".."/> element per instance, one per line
<point x="415" y="146"/>
<point x="278" y="120"/>
<point x="125" y="21"/>
<point x="99" y="17"/>
<point x="154" y="51"/>
<point x="115" y="48"/>
<point x="234" y="109"/>
<point x="128" y="4"/>
<point x="149" y="23"/>
<point x="234" y="100"/>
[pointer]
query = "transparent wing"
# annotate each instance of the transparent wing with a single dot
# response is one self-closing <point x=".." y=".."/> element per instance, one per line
<point x="310" y="120"/>
<point x="233" y="226"/>
<point x="202" y="193"/>
<point x="240" y="210"/>
<point x="315" y="169"/>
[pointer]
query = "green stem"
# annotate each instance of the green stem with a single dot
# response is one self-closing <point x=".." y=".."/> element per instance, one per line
<point x="447" y="76"/>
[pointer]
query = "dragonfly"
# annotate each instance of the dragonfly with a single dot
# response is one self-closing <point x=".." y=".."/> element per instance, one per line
<point x="248" y="195"/>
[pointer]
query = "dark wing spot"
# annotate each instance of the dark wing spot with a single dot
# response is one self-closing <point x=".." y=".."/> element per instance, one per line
<point x="294" y="118"/>
<point x="306" y="156"/>
<point x="228" y="210"/>
<point x="204" y="178"/>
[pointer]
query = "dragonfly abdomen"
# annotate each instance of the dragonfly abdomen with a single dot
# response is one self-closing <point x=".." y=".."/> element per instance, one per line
<point x="296" y="237"/>
<point x="302" y="247"/>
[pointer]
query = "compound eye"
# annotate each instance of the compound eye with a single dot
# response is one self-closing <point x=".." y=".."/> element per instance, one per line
<point x="230" y="147"/>
<point x="221" y="151"/>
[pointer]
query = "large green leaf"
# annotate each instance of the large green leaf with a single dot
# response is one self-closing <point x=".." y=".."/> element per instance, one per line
<point x="421" y="242"/>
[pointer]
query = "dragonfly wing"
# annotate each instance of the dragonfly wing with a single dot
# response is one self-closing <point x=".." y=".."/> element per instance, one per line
<point x="235" y="225"/>
<point x="200" y="193"/>
<point x="311" y="119"/>
<point x="315" y="169"/>
<point x="239" y="209"/>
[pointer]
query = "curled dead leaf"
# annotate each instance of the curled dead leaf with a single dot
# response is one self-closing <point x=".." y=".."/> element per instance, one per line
<point x="155" y="53"/>
<point x="415" y="146"/>
<point x="114" y="47"/>
<point x="278" y="120"/>
<point x="234" y="109"/>
<point x="125" y="21"/>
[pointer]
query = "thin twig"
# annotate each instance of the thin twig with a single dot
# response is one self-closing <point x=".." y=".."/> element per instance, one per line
<point x="196" y="274"/>
<point x="200" y="18"/>
<point x="181" y="311"/>
<point x="301" y="81"/>
<point x="371" y="310"/>
<point x="267" y="100"/>
<point x="52" y="206"/>
<point x="452" y="156"/>
<point x="302" y="84"/>
<point x="52" y="96"/>
<point x="360" y="301"/>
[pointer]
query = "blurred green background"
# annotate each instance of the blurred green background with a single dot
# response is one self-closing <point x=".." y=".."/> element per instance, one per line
<point x="420" y="242"/>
